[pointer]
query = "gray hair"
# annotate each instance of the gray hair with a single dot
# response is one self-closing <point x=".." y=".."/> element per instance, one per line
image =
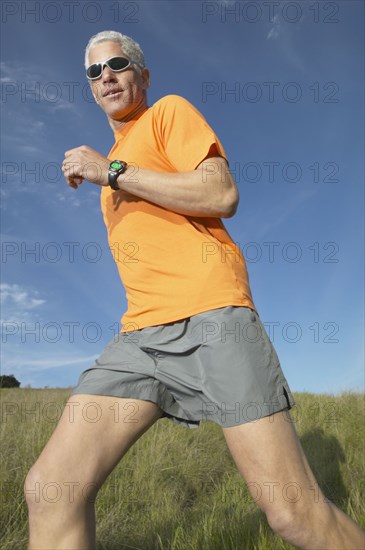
<point x="129" y="46"/>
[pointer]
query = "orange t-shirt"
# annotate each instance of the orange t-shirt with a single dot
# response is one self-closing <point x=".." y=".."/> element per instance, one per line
<point x="172" y="266"/>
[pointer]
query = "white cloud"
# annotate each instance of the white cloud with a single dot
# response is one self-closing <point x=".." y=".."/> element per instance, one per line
<point x="31" y="150"/>
<point x="287" y="44"/>
<point x="49" y="362"/>
<point x="4" y="196"/>
<point x="283" y="211"/>
<point x="63" y="105"/>
<point x="20" y="296"/>
<point x="31" y="85"/>
<point x="275" y="29"/>
<point x="31" y="106"/>
<point x="17" y="302"/>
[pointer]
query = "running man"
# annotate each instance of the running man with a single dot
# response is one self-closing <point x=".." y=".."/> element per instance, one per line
<point x="192" y="346"/>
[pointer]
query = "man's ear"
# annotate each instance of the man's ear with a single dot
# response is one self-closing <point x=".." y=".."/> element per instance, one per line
<point x="146" y="78"/>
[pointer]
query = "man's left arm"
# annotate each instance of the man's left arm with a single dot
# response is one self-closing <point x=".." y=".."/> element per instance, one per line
<point x="207" y="191"/>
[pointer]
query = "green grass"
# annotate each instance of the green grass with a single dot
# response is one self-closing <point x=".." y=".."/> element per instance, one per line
<point x="178" y="489"/>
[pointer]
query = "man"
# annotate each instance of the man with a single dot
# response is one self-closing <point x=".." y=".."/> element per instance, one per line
<point x="192" y="345"/>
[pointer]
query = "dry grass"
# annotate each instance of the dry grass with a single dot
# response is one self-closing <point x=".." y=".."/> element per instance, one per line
<point x="178" y="489"/>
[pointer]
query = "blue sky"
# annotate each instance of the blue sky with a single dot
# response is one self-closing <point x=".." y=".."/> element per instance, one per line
<point x="282" y="86"/>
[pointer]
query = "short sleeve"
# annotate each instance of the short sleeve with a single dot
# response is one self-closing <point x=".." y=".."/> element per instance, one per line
<point x="184" y="133"/>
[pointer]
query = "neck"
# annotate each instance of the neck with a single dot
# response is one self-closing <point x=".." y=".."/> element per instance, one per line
<point x="116" y="124"/>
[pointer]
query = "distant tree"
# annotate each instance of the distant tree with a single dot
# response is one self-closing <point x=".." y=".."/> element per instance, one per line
<point x="8" y="381"/>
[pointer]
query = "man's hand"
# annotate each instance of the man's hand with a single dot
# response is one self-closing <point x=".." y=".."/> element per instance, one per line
<point x="84" y="163"/>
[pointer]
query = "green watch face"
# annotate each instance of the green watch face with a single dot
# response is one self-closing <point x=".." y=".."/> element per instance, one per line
<point x="116" y="165"/>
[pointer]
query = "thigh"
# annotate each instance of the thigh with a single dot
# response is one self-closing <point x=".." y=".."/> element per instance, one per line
<point x="269" y="456"/>
<point x="91" y="437"/>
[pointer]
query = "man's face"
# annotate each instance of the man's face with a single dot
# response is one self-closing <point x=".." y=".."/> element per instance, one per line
<point x="118" y="94"/>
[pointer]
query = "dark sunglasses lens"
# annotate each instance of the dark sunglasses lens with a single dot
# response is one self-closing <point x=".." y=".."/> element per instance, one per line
<point x="118" y="63"/>
<point x="94" y="70"/>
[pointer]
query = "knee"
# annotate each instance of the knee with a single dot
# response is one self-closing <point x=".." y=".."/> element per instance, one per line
<point x="288" y="521"/>
<point x="40" y="488"/>
<point x="32" y="488"/>
<point x="46" y="489"/>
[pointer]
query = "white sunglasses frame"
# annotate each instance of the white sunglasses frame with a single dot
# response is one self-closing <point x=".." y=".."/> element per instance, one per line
<point x="103" y="63"/>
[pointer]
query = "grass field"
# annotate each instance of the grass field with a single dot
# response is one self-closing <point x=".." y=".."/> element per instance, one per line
<point x="178" y="489"/>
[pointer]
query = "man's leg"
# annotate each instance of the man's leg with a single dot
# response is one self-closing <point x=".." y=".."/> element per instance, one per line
<point x="86" y="445"/>
<point x="270" y="458"/>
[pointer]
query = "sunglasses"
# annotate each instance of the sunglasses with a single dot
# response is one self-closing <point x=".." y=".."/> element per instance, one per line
<point x="115" y="64"/>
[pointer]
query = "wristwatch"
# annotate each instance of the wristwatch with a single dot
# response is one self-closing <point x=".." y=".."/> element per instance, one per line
<point x="116" y="167"/>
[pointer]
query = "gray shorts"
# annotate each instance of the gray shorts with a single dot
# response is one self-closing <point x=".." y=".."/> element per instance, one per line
<point x="219" y="365"/>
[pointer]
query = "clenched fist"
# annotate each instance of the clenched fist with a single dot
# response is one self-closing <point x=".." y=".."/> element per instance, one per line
<point x="84" y="163"/>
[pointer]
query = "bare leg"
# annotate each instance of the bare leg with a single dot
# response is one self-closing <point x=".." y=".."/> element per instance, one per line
<point x="92" y="435"/>
<point x="270" y="458"/>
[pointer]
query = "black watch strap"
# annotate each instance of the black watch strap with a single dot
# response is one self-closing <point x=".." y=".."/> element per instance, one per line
<point x="116" y="167"/>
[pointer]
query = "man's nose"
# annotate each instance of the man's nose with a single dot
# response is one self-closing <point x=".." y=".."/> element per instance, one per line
<point x="107" y="74"/>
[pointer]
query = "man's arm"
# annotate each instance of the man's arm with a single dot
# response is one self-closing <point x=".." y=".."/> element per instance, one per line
<point x="207" y="191"/>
